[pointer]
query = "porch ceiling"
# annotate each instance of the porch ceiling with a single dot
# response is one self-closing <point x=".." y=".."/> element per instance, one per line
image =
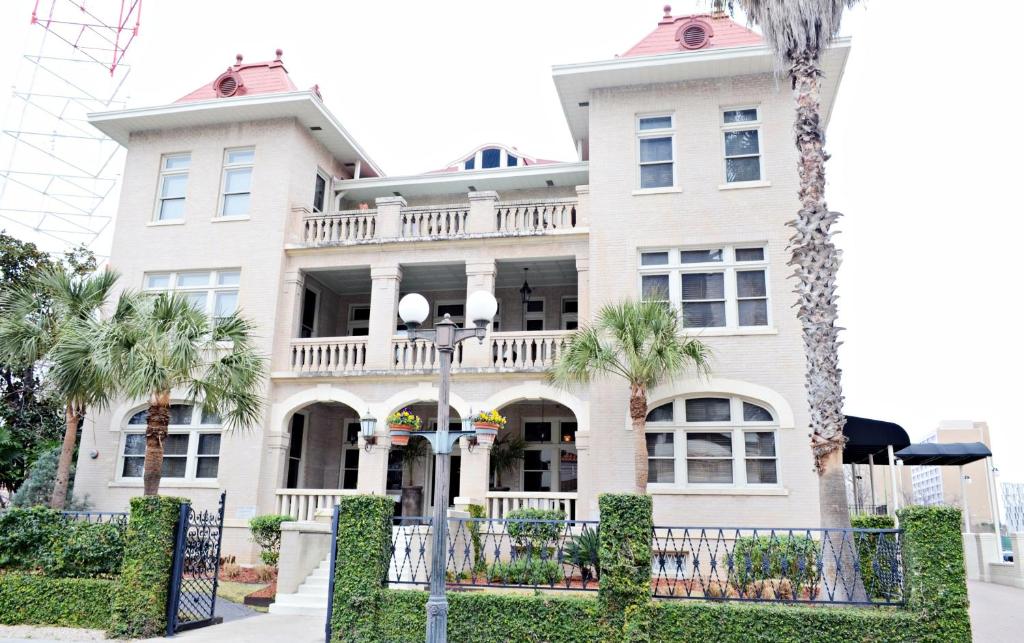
<point x="345" y="281"/>
<point x="556" y="272"/>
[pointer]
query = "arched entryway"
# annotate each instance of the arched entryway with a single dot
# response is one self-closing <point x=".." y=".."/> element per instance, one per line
<point x="410" y="477"/>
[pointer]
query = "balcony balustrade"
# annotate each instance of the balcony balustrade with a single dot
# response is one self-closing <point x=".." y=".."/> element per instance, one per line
<point x="546" y="215"/>
<point x="499" y="503"/>
<point x="328" y="355"/>
<point x="347" y="226"/>
<point x="527" y="349"/>
<point x="302" y="504"/>
<point x="441" y="221"/>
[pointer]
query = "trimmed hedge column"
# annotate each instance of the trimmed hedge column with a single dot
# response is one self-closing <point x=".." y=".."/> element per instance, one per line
<point x="936" y="583"/>
<point x="140" y="599"/>
<point x="624" y="552"/>
<point x="361" y="568"/>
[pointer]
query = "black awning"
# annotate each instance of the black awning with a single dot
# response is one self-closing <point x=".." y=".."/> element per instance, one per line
<point x="943" y="454"/>
<point x="872" y="437"/>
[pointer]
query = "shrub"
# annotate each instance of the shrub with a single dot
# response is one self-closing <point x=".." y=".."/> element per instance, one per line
<point x="531" y="570"/>
<point x="64" y="602"/>
<point x="625" y="552"/>
<point x="760" y="558"/>
<point x="584" y="552"/>
<point x="85" y="550"/>
<point x="879" y="556"/>
<point x="25" y="534"/>
<point x="477" y="511"/>
<point x="266" y="532"/>
<point x="364" y="546"/>
<point x="38" y="486"/>
<point x="534" y="536"/>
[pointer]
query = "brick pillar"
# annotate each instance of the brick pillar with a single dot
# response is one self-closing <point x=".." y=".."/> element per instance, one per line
<point x="287" y="328"/>
<point x="585" y="501"/>
<point x="385" y="282"/>
<point x="481" y="212"/>
<point x="389" y="216"/>
<point x="479" y="276"/>
<point x="474" y="480"/>
<point x="582" y="205"/>
<point x="373" y="463"/>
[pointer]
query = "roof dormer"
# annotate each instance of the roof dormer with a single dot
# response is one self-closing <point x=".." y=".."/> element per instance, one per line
<point x="492" y="156"/>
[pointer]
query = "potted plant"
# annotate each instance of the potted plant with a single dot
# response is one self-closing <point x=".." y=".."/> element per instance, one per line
<point x="487" y="424"/>
<point x="400" y="424"/>
<point x="506" y="454"/>
<point x="412" y="495"/>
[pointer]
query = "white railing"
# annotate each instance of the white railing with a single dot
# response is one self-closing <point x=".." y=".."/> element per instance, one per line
<point x="340" y="227"/>
<point x="328" y="355"/>
<point x="527" y="349"/>
<point x="499" y="503"/>
<point x="419" y="355"/>
<point x="434" y="221"/>
<point x="542" y="215"/>
<point x="302" y="504"/>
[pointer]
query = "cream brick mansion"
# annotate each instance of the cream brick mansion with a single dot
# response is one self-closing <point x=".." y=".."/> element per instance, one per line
<point x="248" y="193"/>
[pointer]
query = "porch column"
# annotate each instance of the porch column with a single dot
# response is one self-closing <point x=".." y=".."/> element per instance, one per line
<point x="287" y="329"/>
<point x="586" y="503"/>
<point x="582" y="206"/>
<point x="583" y="290"/>
<point x="275" y="460"/>
<point x="385" y="282"/>
<point x="474" y="479"/>
<point x="481" y="212"/>
<point x="389" y="216"/>
<point x="479" y="276"/>
<point x="373" y="464"/>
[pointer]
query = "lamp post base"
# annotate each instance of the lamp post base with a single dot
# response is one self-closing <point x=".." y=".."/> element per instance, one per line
<point x="437" y="619"/>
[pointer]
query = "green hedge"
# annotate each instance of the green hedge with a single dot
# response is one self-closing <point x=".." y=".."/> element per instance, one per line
<point x="65" y="602"/>
<point x="877" y="582"/>
<point x="364" y="543"/>
<point x="625" y="552"/>
<point x="266" y="532"/>
<point x="140" y="602"/>
<point x="936" y="580"/>
<point x="783" y="556"/>
<point x="41" y="539"/>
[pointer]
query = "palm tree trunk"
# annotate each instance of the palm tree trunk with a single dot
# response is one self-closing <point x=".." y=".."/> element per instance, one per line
<point x="156" y="432"/>
<point x="638" y="417"/>
<point x="67" y="452"/>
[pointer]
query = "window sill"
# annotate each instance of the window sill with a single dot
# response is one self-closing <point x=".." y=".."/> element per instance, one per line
<point x="160" y="224"/>
<point x="668" y="190"/>
<point x="742" y="185"/>
<point x="668" y="490"/>
<point x="731" y="332"/>
<point x="167" y="484"/>
<point x="225" y="219"/>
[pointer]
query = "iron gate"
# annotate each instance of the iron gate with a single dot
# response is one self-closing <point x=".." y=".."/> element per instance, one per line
<point x="193" y="592"/>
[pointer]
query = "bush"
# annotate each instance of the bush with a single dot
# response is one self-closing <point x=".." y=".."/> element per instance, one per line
<point x="763" y="558"/>
<point x="38" y="486"/>
<point x="64" y="602"/>
<point x="25" y="534"/>
<point x="477" y="511"/>
<point x="531" y="570"/>
<point x="534" y="536"/>
<point x="364" y="547"/>
<point x="878" y="555"/>
<point x="625" y="552"/>
<point x="85" y="550"/>
<point x="266" y="532"/>
<point x="584" y="552"/>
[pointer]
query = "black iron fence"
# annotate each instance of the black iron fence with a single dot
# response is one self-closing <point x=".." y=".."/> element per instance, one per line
<point x="491" y="552"/>
<point x="837" y="566"/>
<point x="118" y="518"/>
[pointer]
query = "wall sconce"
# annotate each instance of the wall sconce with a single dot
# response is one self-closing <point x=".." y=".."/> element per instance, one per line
<point x="367" y="426"/>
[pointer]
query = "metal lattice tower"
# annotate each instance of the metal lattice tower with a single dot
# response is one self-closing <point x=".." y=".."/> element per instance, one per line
<point x="57" y="171"/>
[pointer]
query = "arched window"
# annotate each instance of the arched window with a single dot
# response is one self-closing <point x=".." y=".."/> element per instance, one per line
<point x="712" y="440"/>
<point x="191" y="449"/>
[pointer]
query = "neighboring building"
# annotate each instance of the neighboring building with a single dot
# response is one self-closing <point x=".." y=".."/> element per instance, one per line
<point x="931" y="485"/>
<point x="248" y="193"/>
<point x="1013" y="505"/>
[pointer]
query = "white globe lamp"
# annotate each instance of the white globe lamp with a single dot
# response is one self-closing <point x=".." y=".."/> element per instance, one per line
<point x="413" y="309"/>
<point x="481" y="306"/>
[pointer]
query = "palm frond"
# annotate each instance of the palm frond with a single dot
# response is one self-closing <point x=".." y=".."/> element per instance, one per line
<point x="794" y="28"/>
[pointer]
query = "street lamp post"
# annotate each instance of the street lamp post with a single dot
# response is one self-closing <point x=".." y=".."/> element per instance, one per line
<point x="413" y="309"/>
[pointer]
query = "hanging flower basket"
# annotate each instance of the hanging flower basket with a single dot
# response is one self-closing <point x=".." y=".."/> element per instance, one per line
<point x="400" y="424"/>
<point x="487" y="425"/>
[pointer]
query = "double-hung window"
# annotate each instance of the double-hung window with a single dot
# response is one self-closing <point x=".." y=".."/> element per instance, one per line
<point x="656" y="151"/>
<point x="549" y="461"/>
<point x="236" y="190"/>
<point x="173" y="182"/>
<point x="191" y="448"/>
<point x="214" y="292"/>
<point x="718" y="287"/>
<point x="741" y="134"/>
<point x="723" y="441"/>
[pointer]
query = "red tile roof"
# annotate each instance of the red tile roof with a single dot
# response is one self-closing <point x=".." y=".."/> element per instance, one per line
<point x="269" y="77"/>
<point x="666" y="39"/>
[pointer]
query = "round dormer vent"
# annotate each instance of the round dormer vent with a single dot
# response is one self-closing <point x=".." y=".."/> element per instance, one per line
<point x="227" y="84"/>
<point x="694" y="34"/>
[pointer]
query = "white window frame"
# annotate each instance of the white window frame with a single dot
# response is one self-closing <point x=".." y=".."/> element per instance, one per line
<point x="553" y="447"/>
<point x="327" y="192"/>
<point x="535" y="315"/>
<point x="227" y="167"/>
<point x="569" y="317"/>
<point x="742" y="127"/>
<point x="354" y="323"/>
<point x="212" y="287"/>
<point x="729" y="266"/>
<point x="164" y="174"/>
<point x="670" y="133"/>
<point x="193" y="430"/>
<point x="737" y="427"/>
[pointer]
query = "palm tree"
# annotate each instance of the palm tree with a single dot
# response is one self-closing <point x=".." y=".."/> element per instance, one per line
<point x="799" y="31"/>
<point x="162" y="345"/>
<point x="639" y="341"/>
<point x="41" y="320"/>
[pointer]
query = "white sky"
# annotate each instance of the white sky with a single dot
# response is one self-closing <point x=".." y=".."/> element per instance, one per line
<point x="922" y="167"/>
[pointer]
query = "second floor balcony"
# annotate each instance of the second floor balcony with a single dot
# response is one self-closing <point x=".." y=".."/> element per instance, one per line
<point x="391" y="219"/>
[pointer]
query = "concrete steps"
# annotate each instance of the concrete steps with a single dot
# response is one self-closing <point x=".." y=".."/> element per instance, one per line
<point x="311" y="597"/>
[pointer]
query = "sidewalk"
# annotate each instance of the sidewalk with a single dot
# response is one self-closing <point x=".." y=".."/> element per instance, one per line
<point x="996" y="612"/>
<point x="261" y="628"/>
